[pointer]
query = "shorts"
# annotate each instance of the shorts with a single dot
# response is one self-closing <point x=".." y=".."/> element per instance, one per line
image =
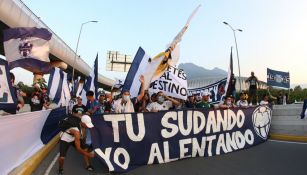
<point x="65" y="145"/>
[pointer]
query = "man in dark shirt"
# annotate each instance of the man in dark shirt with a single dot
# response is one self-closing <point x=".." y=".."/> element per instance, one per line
<point x="108" y="103"/>
<point x="45" y="98"/>
<point x="79" y="109"/>
<point x="36" y="103"/>
<point x="190" y="103"/>
<point x="253" y="82"/>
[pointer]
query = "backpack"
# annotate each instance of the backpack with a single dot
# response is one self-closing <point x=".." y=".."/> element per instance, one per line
<point x="69" y="122"/>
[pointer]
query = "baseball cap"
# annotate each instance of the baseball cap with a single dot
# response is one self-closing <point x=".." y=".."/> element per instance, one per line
<point x="87" y="121"/>
<point x="206" y="93"/>
<point x="102" y="93"/>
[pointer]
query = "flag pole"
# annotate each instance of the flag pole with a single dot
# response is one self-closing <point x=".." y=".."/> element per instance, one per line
<point x="74" y="62"/>
<point x="166" y="61"/>
<point x="289" y="87"/>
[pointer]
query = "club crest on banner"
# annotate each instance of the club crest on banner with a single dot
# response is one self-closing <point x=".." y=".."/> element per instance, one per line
<point x="279" y="78"/>
<point x="221" y="89"/>
<point x="25" y="47"/>
<point x="262" y="121"/>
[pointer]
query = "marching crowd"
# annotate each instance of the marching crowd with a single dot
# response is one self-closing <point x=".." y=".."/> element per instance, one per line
<point x="146" y="102"/>
<point x="78" y="135"/>
<point x="155" y="102"/>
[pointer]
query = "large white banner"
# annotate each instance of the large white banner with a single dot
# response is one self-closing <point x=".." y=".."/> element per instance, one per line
<point x="172" y="83"/>
<point x="20" y="138"/>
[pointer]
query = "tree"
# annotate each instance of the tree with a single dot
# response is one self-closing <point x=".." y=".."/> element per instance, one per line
<point x="298" y="88"/>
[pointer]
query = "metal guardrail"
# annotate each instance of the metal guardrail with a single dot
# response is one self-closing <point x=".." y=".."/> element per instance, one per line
<point x="58" y="47"/>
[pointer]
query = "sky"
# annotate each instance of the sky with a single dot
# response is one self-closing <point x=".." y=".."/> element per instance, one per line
<point x="274" y="32"/>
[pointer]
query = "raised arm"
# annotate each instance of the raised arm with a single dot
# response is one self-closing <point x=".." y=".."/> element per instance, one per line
<point x="141" y="95"/>
<point x="175" y="102"/>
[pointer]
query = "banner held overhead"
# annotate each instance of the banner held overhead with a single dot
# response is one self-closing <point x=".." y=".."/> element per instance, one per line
<point x="278" y="78"/>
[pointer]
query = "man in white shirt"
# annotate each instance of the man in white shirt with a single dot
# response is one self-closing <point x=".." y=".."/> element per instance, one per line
<point x="265" y="100"/>
<point x="163" y="103"/>
<point x="228" y="103"/>
<point x="126" y="104"/>
<point x="72" y="136"/>
<point x="243" y="101"/>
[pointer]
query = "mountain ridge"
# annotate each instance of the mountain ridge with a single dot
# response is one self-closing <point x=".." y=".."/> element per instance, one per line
<point x="194" y="71"/>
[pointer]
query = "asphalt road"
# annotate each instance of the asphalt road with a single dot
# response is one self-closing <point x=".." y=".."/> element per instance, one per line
<point x="272" y="157"/>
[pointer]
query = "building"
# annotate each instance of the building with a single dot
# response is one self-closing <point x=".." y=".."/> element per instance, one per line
<point x="201" y="82"/>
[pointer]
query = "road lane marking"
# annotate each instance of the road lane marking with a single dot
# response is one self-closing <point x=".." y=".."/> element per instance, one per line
<point x="301" y="143"/>
<point x="52" y="164"/>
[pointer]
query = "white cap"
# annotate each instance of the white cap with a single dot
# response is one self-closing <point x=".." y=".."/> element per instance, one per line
<point x="87" y="121"/>
<point x="206" y="93"/>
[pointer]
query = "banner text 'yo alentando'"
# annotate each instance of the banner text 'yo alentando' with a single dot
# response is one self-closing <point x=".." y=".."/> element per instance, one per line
<point x="126" y="141"/>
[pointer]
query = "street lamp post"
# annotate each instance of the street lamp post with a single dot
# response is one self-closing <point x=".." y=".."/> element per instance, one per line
<point x="234" y="35"/>
<point x="73" y="68"/>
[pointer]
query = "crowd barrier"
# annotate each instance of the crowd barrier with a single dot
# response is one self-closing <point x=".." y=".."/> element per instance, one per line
<point x="23" y="135"/>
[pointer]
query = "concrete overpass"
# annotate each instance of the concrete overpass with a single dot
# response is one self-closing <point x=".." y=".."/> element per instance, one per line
<point x="14" y="13"/>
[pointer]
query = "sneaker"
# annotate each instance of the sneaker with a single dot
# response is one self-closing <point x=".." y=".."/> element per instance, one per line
<point x="60" y="172"/>
<point x="89" y="168"/>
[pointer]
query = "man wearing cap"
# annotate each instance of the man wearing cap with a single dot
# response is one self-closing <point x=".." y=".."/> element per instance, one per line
<point x="204" y="104"/>
<point x="101" y="100"/>
<point x="72" y="136"/>
<point x="125" y="103"/>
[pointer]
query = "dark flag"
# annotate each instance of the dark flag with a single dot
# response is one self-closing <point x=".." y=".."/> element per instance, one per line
<point x="231" y="81"/>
